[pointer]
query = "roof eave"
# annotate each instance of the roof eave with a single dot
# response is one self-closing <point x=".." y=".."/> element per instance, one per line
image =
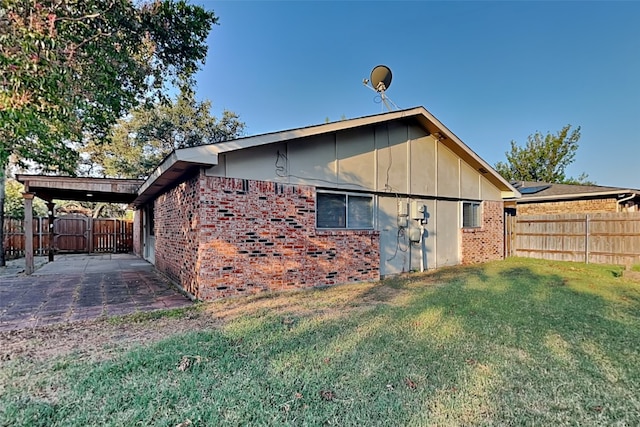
<point x="182" y="160"/>
<point x="173" y="168"/>
<point x="573" y="196"/>
<point x="455" y="144"/>
<point x="424" y="117"/>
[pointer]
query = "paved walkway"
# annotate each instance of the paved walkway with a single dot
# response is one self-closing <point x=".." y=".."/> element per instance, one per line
<point x="82" y="287"/>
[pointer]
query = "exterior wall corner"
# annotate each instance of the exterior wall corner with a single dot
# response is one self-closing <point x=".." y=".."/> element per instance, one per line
<point x="487" y="242"/>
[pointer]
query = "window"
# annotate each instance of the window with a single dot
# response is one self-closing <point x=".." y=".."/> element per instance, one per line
<point x="471" y="214"/>
<point x="336" y="210"/>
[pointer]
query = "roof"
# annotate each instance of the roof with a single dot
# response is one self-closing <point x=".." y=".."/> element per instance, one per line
<point x="543" y="191"/>
<point x="182" y="161"/>
<point x="81" y="189"/>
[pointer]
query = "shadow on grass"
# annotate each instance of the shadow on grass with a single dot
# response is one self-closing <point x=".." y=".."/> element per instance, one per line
<point x="502" y="343"/>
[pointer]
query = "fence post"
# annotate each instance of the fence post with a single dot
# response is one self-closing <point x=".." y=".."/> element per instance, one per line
<point x="586" y="239"/>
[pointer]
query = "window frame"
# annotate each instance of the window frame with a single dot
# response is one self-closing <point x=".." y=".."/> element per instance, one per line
<point x="477" y="216"/>
<point x="347" y="195"/>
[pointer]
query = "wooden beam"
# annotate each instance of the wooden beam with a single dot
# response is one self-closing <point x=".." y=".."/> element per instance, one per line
<point x="28" y="232"/>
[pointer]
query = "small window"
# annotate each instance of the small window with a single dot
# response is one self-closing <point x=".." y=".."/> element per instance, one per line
<point x="335" y="210"/>
<point x="471" y="214"/>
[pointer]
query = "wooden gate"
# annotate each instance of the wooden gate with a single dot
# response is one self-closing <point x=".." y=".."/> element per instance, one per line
<point x="111" y="235"/>
<point x="71" y="233"/>
<point x="509" y="232"/>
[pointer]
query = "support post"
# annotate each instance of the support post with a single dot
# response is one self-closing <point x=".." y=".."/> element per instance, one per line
<point x="90" y="233"/>
<point x="28" y="232"/>
<point x="52" y="218"/>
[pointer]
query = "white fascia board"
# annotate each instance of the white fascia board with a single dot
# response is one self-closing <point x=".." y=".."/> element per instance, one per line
<point x="510" y="191"/>
<point x="288" y="135"/>
<point x="207" y="155"/>
<point x="577" y="195"/>
<point x="204" y="155"/>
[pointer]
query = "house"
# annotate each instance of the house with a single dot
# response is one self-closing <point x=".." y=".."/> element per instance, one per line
<point x="348" y="201"/>
<point x="540" y="198"/>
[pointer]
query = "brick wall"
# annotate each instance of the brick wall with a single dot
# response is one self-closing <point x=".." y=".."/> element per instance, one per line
<point x="177" y="224"/>
<point x="568" y="206"/>
<point x="487" y="242"/>
<point x="219" y="237"/>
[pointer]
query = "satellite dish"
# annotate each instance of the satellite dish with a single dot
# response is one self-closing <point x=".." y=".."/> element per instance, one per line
<point x="381" y="78"/>
<point x="380" y="82"/>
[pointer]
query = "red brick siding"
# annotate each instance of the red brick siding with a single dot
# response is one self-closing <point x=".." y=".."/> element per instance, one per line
<point x="218" y="237"/>
<point x="568" y="206"/>
<point x="258" y="236"/>
<point x="177" y="224"/>
<point x="487" y="242"/>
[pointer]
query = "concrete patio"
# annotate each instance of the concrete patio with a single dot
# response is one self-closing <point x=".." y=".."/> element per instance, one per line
<point x="82" y="287"/>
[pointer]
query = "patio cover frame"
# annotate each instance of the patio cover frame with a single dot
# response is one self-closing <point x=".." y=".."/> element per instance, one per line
<point x="48" y="188"/>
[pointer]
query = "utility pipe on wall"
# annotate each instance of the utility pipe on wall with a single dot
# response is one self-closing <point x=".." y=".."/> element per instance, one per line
<point x="421" y="247"/>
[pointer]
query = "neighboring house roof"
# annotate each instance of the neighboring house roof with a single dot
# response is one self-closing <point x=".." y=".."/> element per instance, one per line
<point x="544" y="191"/>
<point x="181" y="161"/>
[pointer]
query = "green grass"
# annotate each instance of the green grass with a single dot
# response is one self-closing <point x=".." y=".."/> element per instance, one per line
<point x="519" y="342"/>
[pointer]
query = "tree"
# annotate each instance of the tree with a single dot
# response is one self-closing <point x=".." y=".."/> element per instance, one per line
<point x="14" y="204"/>
<point x="140" y="141"/>
<point x="544" y="158"/>
<point x="72" y="68"/>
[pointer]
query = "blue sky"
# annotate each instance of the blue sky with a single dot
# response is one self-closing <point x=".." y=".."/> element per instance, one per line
<point x="492" y="72"/>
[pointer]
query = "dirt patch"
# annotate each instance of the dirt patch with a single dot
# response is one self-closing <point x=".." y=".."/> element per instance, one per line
<point x="97" y="339"/>
<point x="632" y="275"/>
<point x="104" y="338"/>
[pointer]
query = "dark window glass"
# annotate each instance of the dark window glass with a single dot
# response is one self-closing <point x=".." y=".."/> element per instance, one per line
<point x="332" y="210"/>
<point x="344" y="211"/>
<point x="470" y="214"/>
<point x="360" y="211"/>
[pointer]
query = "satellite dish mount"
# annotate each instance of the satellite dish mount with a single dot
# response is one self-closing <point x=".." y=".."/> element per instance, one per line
<point x="379" y="81"/>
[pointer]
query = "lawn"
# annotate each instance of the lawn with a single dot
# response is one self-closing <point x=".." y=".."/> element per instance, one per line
<point x="517" y="342"/>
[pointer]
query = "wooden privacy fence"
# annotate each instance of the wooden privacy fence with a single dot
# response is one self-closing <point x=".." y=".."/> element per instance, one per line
<point x="605" y="238"/>
<point x="72" y="234"/>
<point x="14" y="237"/>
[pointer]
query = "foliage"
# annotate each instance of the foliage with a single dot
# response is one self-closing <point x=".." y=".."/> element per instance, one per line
<point x="71" y="68"/>
<point x="92" y="209"/>
<point x="515" y="342"/>
<point x="14" y="202"/>
<point x="544" y="158"/>
<point x="140" y="141"/>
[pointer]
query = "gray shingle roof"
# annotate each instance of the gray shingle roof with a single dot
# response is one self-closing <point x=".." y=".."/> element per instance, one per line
<point x="539" y="190"/>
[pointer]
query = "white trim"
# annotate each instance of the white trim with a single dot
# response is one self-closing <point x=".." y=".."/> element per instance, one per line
<point x="479" y="217"/>
<point x="176" y="163"/>
<point x="571" y="196"/>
